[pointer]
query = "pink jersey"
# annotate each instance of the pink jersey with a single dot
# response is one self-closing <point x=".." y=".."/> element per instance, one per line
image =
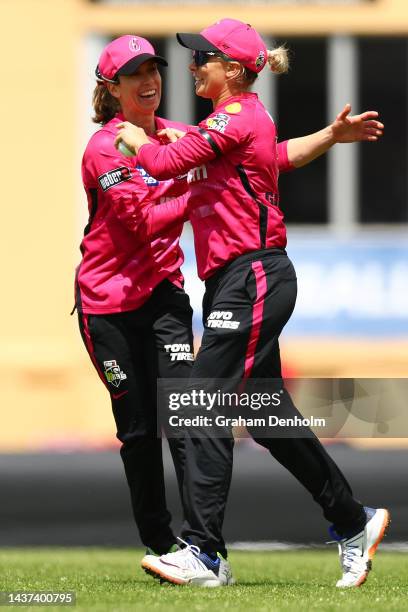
<point x="121" y="263"/>
<point x="234" y="163"/>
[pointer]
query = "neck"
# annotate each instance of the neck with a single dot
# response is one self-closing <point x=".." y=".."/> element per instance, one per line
<point x="226" y="93"/>
<point x="146" y="122"/>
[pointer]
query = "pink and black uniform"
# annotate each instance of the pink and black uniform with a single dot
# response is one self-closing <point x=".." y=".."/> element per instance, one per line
<point x="119" y="271"/>
<point x="234" y="165"/>
<point x="234" y="162"/>
<point x="134" y="316"/>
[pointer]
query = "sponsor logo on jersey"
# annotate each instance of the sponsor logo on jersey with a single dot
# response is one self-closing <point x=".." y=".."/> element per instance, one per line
<point x="179" y="352"/>
<point x="114" y="177"/>
<point x="221" y="319"/>
<point x="218" y="123"/>
<point x="149" y="180"/>
<point x="197" y="174"/>
<point x="113" y="373"/>
<point x="233" y="108"/>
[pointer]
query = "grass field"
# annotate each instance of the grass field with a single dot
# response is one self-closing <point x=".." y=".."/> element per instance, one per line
<point x="111" y="579"/>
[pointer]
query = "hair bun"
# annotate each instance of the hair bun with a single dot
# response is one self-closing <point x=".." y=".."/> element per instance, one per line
<point x="278" y="59"/>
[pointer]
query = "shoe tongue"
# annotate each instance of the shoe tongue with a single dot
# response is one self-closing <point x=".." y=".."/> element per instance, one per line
<point x="211" y="562"/>
<point x="350" y="533"/>
<point x="369" y="512"/>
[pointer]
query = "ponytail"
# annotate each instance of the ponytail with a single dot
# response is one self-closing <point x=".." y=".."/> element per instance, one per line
<point x="104" y="104"/>
<point x="278" y="59"/>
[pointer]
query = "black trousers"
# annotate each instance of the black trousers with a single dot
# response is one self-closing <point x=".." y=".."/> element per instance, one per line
<point x="257" y="292"/>
<point x="130" y="350"/>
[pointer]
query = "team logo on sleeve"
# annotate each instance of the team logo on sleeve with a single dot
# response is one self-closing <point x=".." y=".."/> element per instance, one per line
<point x="219" y="122"/>
<point x="114" y="177"/>
<point x="150" y="181"/>
<point x="114" y="375"/>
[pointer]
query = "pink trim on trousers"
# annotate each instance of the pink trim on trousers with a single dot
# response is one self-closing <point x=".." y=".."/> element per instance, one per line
<point x="257" y="316"/>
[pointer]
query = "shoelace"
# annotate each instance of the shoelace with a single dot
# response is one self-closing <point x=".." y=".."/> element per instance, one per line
<point x="188" y="548"/>
<point x="349" y="557"/>
<point x="347" y="552"/>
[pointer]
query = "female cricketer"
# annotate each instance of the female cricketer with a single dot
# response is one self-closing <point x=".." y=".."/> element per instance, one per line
<point x="240" y="241"/>
<point x="134" y="316"/>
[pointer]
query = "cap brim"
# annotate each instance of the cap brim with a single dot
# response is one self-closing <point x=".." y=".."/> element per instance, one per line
<point x="132" y="65"/>
<point x="196" y="42"/>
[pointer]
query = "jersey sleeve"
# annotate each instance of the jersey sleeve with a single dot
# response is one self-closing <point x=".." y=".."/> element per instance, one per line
<point x="215" y="136"/>
<point x="161" y="218"/>
<point x="151" y="220"/>
<point x="116" y="178"/>
<point x="284" y="165"/>
<point x="109" y="171"/>
<point x="225" y="131"/>
<point x="169" y="161"/>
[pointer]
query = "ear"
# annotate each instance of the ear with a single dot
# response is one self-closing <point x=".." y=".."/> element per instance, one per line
<point x="114" y="89"/>
<point x="233" y="70"/>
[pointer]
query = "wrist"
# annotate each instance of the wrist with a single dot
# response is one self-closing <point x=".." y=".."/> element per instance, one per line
<point x="140" y="145"/>
<point x="330" y="135"/>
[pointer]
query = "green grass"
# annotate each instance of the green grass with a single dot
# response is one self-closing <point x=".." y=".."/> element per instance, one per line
<point x="111" y="579"/>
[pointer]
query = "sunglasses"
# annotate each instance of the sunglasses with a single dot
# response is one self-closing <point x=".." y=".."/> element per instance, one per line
<point x="202" y="57"/>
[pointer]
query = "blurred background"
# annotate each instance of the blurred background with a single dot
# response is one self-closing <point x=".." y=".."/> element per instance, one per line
<point x="347" y="216"/>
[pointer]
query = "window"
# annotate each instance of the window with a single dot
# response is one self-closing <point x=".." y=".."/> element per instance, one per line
<point x="302" y="110"/>
<point x="383" y="167"/>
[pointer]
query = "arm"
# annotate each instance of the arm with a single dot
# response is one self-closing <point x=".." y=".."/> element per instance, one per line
<point x="215" y="136"/>
<point x="160" y="218"/>
<point x="166" y="161"/>
<point x="167" y="135"/>
<point x="129" y="192"/>
<point x="115" y="180"/>
<point x="284" y="164"/>
<point x="345" y="128"/>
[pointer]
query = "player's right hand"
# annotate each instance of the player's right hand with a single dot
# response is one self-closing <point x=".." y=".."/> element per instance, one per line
<point x="167" y="135"/>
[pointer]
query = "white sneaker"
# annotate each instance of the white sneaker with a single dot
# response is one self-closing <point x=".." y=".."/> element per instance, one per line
<point x="189" y="566"/>
<point x="357" y="551"/>
<point x="151" y="553"/>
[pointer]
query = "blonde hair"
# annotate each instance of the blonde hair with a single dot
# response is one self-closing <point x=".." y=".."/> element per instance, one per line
<point x="278" y="59"/>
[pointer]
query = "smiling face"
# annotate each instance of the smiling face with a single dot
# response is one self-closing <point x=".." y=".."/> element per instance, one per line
<point x="216" y="79"/>
<point x="140" y="93"/>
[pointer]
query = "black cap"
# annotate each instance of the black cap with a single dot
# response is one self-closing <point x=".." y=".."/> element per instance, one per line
<point x="196" y="42"/>
<point x="133" y="64"/>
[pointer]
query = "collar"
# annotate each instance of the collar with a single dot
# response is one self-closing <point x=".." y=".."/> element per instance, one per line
<point x="243" y="96"/>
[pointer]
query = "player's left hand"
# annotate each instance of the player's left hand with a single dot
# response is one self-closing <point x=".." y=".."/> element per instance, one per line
<point x="133" y="137"/>
<point x="355" y="128"/>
